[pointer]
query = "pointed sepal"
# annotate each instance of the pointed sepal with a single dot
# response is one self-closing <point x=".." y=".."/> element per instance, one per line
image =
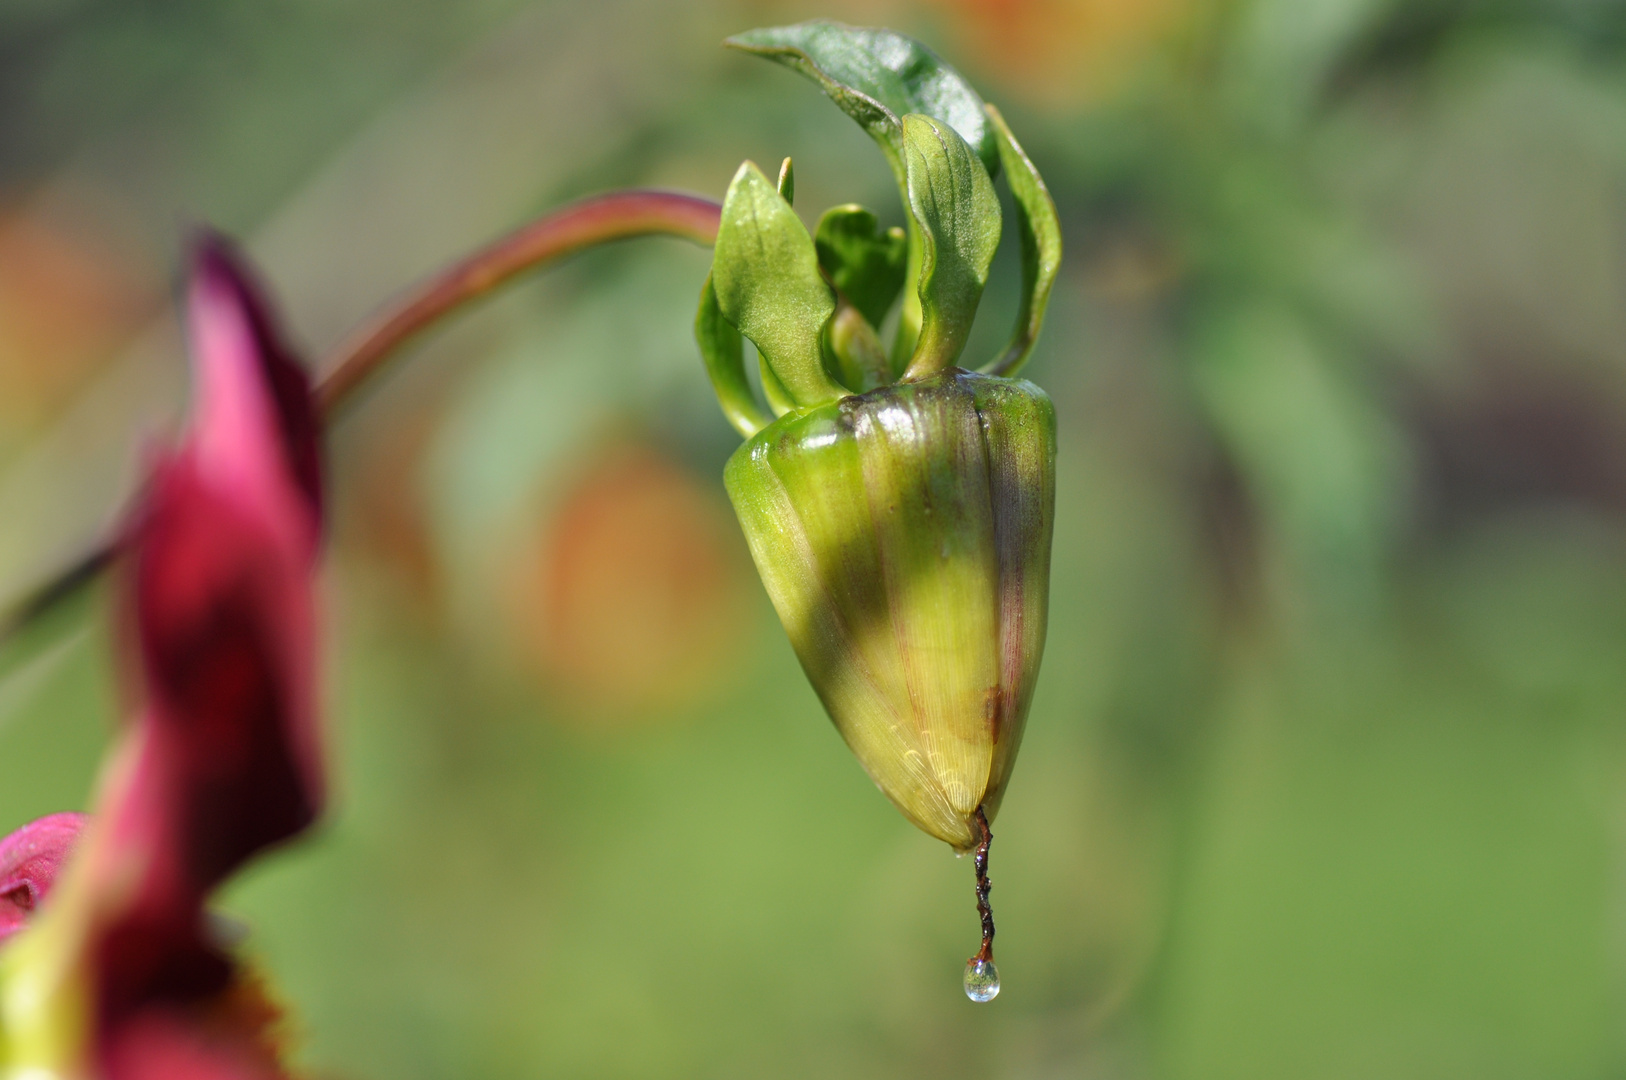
<point x="1040" y="231"/>
<point x="953" y="203"/>
<point x="766" y="275"/>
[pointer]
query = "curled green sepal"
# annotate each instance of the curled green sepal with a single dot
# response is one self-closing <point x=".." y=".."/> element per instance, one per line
<point x="954" y="205"/>
<point x="1041" y="247"/>
<point x="724" y="352"/>
<point x="864" y="264"/>
<point x="766" y="277"/>
<point x="877" y="76"/>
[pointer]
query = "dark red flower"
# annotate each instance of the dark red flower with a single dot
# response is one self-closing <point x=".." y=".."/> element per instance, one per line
<point x="223" y="758"/>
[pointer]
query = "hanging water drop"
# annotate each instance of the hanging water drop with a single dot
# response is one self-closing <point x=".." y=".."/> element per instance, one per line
<point x="981" y="980"/>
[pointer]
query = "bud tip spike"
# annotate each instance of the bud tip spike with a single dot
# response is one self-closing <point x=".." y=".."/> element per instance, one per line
<point x="787" y="182"/>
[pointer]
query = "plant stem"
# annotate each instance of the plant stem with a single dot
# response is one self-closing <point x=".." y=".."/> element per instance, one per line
<point x="983" y="886"/>
<point x="600" y="219"/>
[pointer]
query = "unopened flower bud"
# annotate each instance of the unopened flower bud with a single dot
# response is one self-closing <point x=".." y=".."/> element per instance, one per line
<point x="904" y="537"/>
<point x="900" y="508"/>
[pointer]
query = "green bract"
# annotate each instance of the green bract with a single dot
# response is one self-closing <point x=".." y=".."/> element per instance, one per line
<point x="899" y="508"/>
<point x="865" y="265"/>
<point x="953" y="201"/>
<point x="766" y="277"/>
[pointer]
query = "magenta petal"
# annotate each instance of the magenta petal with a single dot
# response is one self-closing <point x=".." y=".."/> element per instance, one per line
<point x="254" y="398"/>
<point x="30" y="859"/>
<point x="226" y="634"/>
<point x="163" y="1046"/>
<point x="225" y="755"/>
<point x="224" y="759"/>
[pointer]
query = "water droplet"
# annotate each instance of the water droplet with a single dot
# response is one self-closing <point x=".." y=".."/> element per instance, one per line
<point x="981" y="980"/>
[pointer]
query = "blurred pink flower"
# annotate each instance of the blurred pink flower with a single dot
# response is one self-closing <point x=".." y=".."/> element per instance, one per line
<point x="223" y="757"/>
<point x="29" y="861"/>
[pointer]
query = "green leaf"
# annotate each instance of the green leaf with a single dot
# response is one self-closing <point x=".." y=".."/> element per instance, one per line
<point x="865" y="265"/>
<point x="878" y="76"/>
<point x="766" y="275"/>
<point x="1322" y="461"/>
<point x="954" y="205"/>
<point x="724" y="352"/>
<point x="1041" y="246"/>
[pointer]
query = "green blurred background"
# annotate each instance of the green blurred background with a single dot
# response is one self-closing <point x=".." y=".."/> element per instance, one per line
<point x="1326" y="772"/>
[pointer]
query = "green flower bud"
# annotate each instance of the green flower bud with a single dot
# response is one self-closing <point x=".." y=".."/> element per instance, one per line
<point x="900" y="508"/>
<point x="904" y="537"/>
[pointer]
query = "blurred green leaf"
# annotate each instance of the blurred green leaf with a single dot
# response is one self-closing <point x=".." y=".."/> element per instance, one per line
<point x="1316" y="452"/>
<point x="865" y="264"/>
<point x="766" y="275"/>
<point x="1040" y="231"/>
<point x="724" y="353"/>
<point x="1281" y="54"/>
<point x="953" y="202"/>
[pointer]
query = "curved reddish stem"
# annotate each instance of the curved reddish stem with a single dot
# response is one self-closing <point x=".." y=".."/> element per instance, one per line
<point x="600" y="219"/>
